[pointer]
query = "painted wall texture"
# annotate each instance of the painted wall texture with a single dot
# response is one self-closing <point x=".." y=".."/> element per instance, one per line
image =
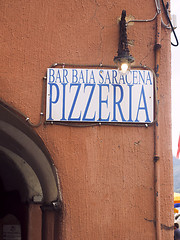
<point x="107" y="173"/>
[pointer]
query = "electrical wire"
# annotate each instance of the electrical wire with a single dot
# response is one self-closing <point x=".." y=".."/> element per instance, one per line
<point x="158" y="6"/>
<point x="42" y="107"/>
<point x="143" y="20"/>
<point x="158" y="10"/>
<point x="165" y="25"/>
<point x="167" y="15"/>
<point x="27" y="119"/>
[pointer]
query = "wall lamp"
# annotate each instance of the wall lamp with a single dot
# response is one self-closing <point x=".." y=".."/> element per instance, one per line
<point x="123" y="60"/>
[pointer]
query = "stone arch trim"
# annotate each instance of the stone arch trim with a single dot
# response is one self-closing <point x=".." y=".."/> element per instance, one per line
<point x="19" y="139"/>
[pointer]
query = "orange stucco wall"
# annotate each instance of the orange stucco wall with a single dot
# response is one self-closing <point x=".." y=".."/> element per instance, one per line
<point x="106" y="172"/>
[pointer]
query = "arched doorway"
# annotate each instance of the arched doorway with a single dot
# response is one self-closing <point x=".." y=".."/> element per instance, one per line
<point x="28" y="178"/>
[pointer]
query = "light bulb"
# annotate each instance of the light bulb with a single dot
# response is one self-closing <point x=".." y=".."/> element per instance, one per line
<point x="124" y="67"/>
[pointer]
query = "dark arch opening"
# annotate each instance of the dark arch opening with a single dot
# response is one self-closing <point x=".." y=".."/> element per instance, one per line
<point x="27" y="172"/>
<point x="27" y="151"/>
